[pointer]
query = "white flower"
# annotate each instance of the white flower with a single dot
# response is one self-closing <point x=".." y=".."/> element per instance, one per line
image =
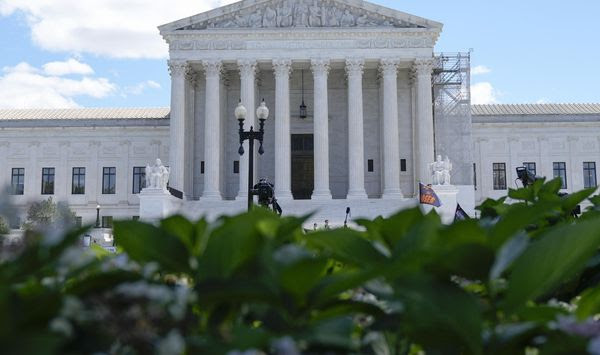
<point x="172" y="344"/>
<point x="62" y="326"/>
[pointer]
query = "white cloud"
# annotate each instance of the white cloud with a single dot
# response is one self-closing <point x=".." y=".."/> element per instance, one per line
<point x="139" y="88"/>
<point x="483" y="94"/>
<point x="480" y="70"/>
<point x="542" y="101"/>
<point x="24" y="86"/>
<point x="71" y="66"/>
<point x="111" y="28"/>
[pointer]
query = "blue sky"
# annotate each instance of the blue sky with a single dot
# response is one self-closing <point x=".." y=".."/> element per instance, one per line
<point x="526" y="51"/>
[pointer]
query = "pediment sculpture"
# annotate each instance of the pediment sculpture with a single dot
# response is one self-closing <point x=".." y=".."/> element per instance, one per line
<point x="301" y="13"/>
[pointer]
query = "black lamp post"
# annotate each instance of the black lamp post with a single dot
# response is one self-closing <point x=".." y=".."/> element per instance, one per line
<point x="97" y="216"/>
<point x="262" y="112"/>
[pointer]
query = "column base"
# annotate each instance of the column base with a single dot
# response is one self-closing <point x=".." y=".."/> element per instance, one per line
<point x="392" y="194"/>
<point x="321" y="196"/>
<point x="357" y="195"/>
<point x="211" y="196"/>
<point x="242" y="196"/>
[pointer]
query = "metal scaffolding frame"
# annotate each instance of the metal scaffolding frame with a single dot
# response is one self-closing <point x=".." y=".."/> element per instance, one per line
<point x="452" y="85"/>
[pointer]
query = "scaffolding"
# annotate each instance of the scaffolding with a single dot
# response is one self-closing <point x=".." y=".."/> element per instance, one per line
<point x="451" y="85"/>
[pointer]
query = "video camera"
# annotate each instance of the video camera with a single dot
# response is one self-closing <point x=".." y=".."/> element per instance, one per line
<point x="527" y="178"/>
<point x="266" y="195"/>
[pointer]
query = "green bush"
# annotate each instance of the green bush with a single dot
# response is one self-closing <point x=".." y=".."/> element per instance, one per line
<point x="47" y="213"/>
<point x="522" y="279"/>
<point x="4" y="227"/>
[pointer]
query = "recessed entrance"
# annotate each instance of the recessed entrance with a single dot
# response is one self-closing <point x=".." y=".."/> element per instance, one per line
<point x="302" y="166"/>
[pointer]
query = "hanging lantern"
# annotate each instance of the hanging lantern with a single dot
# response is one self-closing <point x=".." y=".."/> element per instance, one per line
<point x="303" y="113"/>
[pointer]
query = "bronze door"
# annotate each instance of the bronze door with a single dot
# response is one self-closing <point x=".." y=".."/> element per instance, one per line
<point x="302" y="166"/>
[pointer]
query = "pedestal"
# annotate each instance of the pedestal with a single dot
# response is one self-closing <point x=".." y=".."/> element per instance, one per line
<point x="156" y="204"/>
<point x="448" y="197"/>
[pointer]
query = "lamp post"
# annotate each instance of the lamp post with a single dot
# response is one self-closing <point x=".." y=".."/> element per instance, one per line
<point x="97" y="216"/>
<point x="262" y="112"/>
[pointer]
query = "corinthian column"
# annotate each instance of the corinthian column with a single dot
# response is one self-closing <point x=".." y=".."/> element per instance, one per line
<point x="320" y="69"/>
<point x="391" y="145"/>
<point x="212" y="130"/>
<point x="283" y="166"/>
<point x="356" y="149"/>
<point x="178" y="70"/>
<point x="424" y="121"/>
<point x="247" y="78"/>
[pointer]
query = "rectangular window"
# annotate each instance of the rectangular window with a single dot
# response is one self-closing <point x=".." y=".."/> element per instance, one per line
<point x="371" y="168"/>
<point x="236" y="166"/>
<point x="475" y="176"/>
<point x="531" y="168"/>
<point x="78" y="184"/>
<point x="560" y="170"/>
<point x="78" y="221"/>
<point x="107" y="222"/>
<point x="499" y="176"/>
<point x="135" y="218"/>
<point x="17" y="182"/>
<point x="589" y="175"/>
<point x="202" y="167"/>
<point x="47" y="181"/>
<point x="139" y="179"/>
<point x="403" y="165"/>
<point x="109" y="181"/>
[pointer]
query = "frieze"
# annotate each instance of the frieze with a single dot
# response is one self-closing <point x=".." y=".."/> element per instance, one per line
<point x="301" y="14"/>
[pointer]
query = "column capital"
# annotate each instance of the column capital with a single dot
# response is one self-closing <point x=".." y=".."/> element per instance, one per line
<point x="178" y="67"/>
<point x="320" y="67"/>
<point x="355" y="66"/>
<point x="191" y="76"/>
<point x="212" y="68"/>
<point x="389" y="66"/>
<point x="282" y="67"/>
<point x="248" y="67"/>
<point x="423" y="66"/>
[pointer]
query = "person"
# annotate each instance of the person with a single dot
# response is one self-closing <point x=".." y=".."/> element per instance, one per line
<point x="327" y="224"/>
<point x="315" y="227"/>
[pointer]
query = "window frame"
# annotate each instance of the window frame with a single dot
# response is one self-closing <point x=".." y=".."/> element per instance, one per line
<point x="138" y="172"/>
<point x="48" y="180"/>
<point x="499" y="168"/>
<point x="527" y="165"/>
<point x="19" y="174"/>
<point x="77" y="175"/>
<point x="588" y="167"/>
<point x="557" y="168"/>
<point x="112" y="177"/>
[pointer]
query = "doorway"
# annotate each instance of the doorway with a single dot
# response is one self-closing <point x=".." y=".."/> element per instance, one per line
<point x="302" y="166"/>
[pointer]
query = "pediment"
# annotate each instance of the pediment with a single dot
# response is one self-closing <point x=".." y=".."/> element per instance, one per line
<point x="271" y="14"/>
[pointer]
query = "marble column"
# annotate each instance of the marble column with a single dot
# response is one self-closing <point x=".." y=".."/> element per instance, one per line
<point x="356" y="154"/>
<point x="248" y="97"/>
<point x="320" y="69"/>
<point x="212" y="131"/>
<point x="391" y="140"/>
<point x="424" y="119"/>
<point x="178" y="70"/>
<point x="283" y="153"/>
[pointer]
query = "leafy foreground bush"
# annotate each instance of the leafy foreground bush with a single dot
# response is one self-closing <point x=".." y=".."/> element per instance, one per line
<point x="523" y="279"/>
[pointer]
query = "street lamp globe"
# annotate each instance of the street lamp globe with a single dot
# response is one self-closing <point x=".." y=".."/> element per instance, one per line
<point x="240" y="112"/>
<point x="262" y="112"/>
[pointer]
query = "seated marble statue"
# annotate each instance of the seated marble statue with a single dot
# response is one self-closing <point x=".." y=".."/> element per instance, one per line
<point x="440" y="171"/>
<point x="157" y="176"/>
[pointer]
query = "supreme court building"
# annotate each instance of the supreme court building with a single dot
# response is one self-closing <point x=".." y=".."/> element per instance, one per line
<point x="359" y="107"/>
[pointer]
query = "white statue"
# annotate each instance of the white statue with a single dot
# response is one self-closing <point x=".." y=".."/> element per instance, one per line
<point x="440" y="171"/>
<point x="157" y="176"/>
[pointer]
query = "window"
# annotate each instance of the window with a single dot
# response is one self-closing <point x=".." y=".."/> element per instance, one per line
<point x="107" y="222"/>
<point x="402" y="165"/>
<point x="499" y="176"/>
<point x="78" y="185"/>
<point x="18" y="181"/>
<point x="135" y="218"/>
<point x="236" y="166"/>
<point x="370" y="165"/>
<point x="531" y="168"/>
<point x="560" y="170"/>
<point x="475" y="176"/>
<point x="202" y="167"/>
<point x="47" y="181"/>
<point x="78" y="221"/>
<point x="139" y="179"/>
<point x="109" y="181"/>
<point x="589" y="175"/>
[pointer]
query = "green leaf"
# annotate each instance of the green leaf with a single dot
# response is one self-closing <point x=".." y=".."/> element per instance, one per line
<point x="300" y="277"/>
<point x="347" y="246"/>
<point x="589" y="303"/>
<point x="509" y="252"/>
<point x="146" y="243"/>
<point x="557" y="255"/>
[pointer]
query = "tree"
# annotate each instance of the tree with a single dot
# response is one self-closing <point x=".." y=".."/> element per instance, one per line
<point x="47" y="212"/>
<point x="4" y="227"/>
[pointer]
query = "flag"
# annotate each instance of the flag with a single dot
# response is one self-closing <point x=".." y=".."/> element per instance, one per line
<point x="460" y="214"/>
<point x="428" y="196"/>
